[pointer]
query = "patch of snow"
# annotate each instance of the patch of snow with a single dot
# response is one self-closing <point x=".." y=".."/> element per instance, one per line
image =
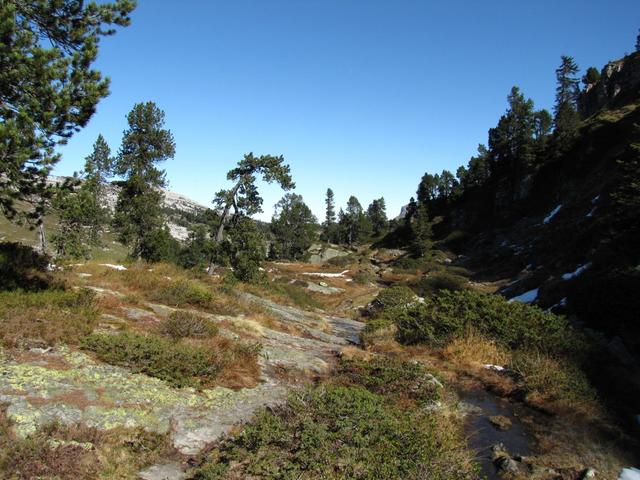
<point x="115" y="267"/>
<point x="327" y="275"/>
<point x="561" y="303"/>
<point x="577" y="272"/>
<point x="590" y="214"/>
<point x="496" y="368"/>
<point x="552" y="214"/>
<point x="595" y="199"/>
<point x="629" y="474"/>
<point x="526" y="297"/>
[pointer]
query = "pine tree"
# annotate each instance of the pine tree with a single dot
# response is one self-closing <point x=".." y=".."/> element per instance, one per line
<point x="354" y="223"/>
<point x="421" y="234"/>
<point x="330" y="217"/>
<point x="293" y="227"/>
<point x="139" y="214"/>
<point x="566" y="117"/>
<point x="377" y="213"/>
<point x="48" y="88"/>
<point x="77" y="212"/>
<point x="638" y="42"/>
<point x="97" y="170"/>
<point x="427" y="188"/>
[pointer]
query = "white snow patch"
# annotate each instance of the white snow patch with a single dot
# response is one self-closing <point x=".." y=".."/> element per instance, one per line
<point x="590" y="214"/>
<point x="629" y="474"/>
<point x="115" y="267"/>
<point x="496" y="368"/>
<point x="595" y="199"/>
<point x="552" y="214"/>
<point x="526" y="297"/>
<point x="577" y="272"/>
<point x="327" y="275"/>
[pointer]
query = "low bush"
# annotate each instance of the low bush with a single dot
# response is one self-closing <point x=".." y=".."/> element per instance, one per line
<point x="431" y="284"/>
<point x="397" y="296"/>
<point x="338" y="431"/>
<point x="179" y="364"/>
<point x="184" y="292"/>
<point x="48" y="316"/>
<point x="391" y="378"/>
<point x="447" y="315"/>
<point x="186" y="324"/>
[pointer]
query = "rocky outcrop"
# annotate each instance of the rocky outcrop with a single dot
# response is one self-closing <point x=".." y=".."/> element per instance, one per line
<point x="618" y="81"/>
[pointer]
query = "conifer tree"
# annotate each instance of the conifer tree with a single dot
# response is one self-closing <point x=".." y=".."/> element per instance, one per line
<point x="421" y="234"/>
<point x="48" y="88"/>
<point x="377" y="214"/>
<point x="293" y="226"/>
<point x="566" y="117"/>
<point x="330" y="217"/>
<point x="638" y="42"/>
<point x="139" y="218"/>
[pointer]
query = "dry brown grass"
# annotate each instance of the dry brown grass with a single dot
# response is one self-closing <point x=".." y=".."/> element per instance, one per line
<point x="475" y="350"/>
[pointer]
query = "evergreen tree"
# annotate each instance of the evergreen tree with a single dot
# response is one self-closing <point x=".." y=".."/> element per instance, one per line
<point x="421" y="234"/>
<point x="293" y="227"/>
<point x="97" y="170"/>
<point x="446" y="185"/>
<point x="77" y="211"/>
<point x="511" y="141"/>
<point x="243" y="197"/>
<point x="638" y="42"/>
<point x="353" y="216"/>
<point x="428" y="188"/>
<point x="478" y="168"/>
<point x="330" y="217"/>
<point x="377" y="213"/>
<point x="244" y="248"/>
<point x="592" y="76"/>
<point x="48" y="88"/>
<point x="198" y="249"/>
<point x="139" y="214"/>
<point x="566" y="117"/>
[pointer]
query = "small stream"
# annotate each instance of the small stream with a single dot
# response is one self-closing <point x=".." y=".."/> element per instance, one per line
<point x="483" y="435"/>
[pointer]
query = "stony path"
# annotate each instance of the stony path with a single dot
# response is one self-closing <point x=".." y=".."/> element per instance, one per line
<point x="68" y="386"/>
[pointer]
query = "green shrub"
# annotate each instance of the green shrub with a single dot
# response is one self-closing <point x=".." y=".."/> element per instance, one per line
<point x="377" y="323"/>
<point x="397" y="296"/>
<point x="431" y="284"/>
<point x="184" y="292"/>
<point x="391" y="378"/>
<point x="515" y="325"/>
<point x="179" y="364"/>
<point x="337" y="432"/>
<point x="186" y="324"/>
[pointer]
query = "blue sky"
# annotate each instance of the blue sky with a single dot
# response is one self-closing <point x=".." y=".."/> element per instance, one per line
<point x="362" y="96"/>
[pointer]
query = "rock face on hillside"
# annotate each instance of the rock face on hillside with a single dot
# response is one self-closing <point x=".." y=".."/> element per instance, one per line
<point x="619" y="80"/>
<point x="176" y="203"/>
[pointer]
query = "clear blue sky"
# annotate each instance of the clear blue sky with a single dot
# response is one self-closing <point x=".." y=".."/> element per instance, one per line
<point x="362" y="96"/>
